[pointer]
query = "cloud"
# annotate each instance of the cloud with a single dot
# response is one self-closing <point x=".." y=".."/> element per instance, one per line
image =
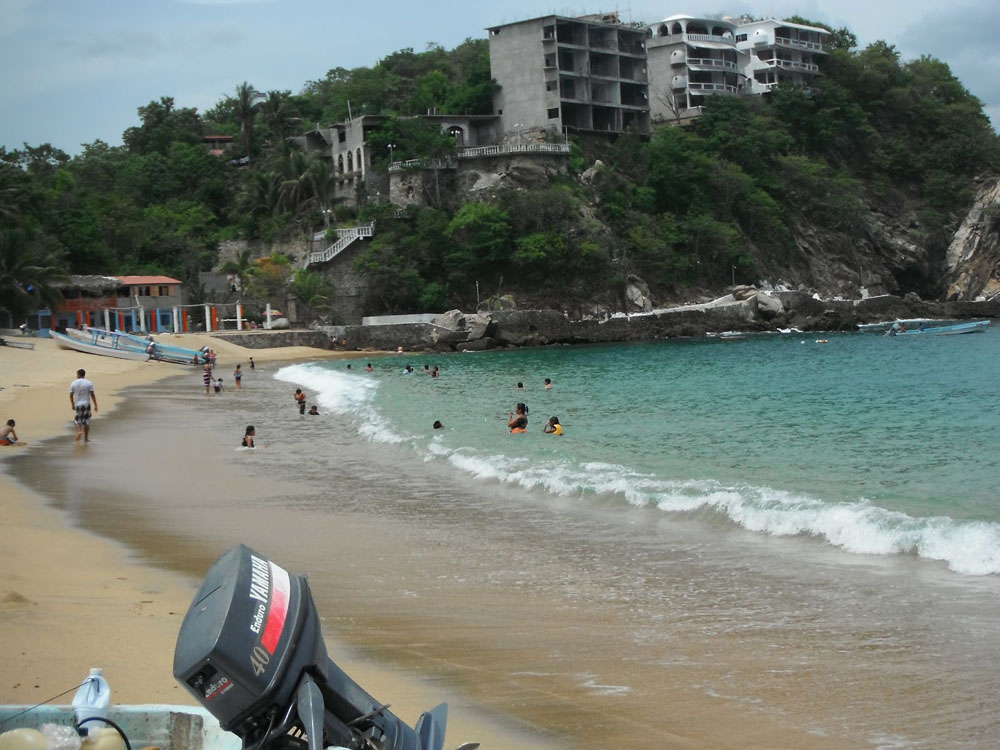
<point x="954" y="32"/>
<point x="15" y="15"/>
<point x="225" y="2"/>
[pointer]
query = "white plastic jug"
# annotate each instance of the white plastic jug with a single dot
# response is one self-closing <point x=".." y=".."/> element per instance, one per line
<point x="92" y="699"/>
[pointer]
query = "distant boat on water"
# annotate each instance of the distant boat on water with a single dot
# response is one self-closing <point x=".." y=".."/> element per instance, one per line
<point x="975" y="326"/>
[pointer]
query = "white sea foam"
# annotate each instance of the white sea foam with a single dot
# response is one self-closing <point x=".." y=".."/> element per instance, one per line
<point x="858" y="527"/>
<point x="340" y="393"/>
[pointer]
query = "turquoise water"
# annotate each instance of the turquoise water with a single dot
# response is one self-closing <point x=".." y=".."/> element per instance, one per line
<point x="875" y="445"/>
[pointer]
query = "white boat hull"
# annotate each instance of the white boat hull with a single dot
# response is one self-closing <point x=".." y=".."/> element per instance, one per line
<point x="68" y="342"/>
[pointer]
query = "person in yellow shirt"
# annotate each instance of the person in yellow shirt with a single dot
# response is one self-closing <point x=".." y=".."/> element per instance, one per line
<point x="553" y="427"/>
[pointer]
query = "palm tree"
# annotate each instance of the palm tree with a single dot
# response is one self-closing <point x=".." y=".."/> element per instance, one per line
<point x="279" y="113"/>
<point x="246" y="102"/>
<point x="312" y="290"/>
<point x="26" y="274"/>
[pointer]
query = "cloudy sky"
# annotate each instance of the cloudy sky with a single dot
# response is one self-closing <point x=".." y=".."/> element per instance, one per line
<point x="75" y="71"/>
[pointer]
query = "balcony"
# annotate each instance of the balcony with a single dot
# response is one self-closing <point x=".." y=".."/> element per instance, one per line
<point x="792" y="65"/>
<point x="711" y="62"/>
<point x="785" y="41"/>
<point x="712" y="88"/>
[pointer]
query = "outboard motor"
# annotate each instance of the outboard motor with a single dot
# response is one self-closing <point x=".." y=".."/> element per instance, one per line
<point x="251" y="651"/>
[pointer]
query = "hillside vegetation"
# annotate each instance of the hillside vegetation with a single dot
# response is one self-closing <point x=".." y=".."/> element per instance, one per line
<point x="729" y="199"/>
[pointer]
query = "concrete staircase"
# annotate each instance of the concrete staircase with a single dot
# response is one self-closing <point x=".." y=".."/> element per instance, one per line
<point x="345" y="237"/>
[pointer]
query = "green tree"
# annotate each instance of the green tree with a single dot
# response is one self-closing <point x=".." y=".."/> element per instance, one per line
<point x="245" y="105"/>
<point x="313" y="290"/>
<point x="27" y="274"/>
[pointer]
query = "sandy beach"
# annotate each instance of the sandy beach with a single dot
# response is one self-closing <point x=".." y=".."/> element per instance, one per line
<point x="73" y="600"/>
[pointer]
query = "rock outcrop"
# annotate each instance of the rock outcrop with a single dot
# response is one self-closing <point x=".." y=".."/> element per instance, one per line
<point x="973" y="260"/>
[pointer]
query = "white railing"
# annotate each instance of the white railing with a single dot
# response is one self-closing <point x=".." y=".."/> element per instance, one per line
<point x="710" y="38"/>
<point x="476" y="152"/>
<point x="793" y="65"/>
<point x="720" y="87"/>
<point x="800" y="44"/>
<point x="344" y="238"/>
<point x="711" y="62"/>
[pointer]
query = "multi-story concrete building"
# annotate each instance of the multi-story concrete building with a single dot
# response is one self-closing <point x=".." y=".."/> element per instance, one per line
<point x="594" y="73"/>
<point x="690" y="59"/>
<point x="779" y="52"/>
<point x="558" y="73"/>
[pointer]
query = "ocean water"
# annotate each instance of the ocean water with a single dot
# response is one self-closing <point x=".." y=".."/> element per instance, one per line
<point x="873" y="445"/>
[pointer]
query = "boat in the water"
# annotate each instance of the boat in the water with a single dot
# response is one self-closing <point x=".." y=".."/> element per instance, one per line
<point x="95" y="344"/>
<point x="974" y="326"/>
<point x="908" y="323"/>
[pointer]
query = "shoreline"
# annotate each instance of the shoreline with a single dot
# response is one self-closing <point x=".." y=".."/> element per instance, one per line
<point x="76" y="598"/>
<point x="64" y="584"/>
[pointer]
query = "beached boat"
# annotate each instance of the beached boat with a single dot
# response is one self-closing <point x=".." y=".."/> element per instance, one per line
<point x="102" y="347"/>
<point x="975" y="326"/>
<point x="159" y="351"/>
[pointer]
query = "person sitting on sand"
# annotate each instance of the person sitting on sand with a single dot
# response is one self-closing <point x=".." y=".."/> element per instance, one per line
<point x="553" y="427"/>
<point x="518" y="420"/>
<point x="7" y="434"/>
<point x="248" y="437"/>
<point x="314" y="410"/>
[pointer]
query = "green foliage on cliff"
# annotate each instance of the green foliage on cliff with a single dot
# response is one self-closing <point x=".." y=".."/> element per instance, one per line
<point x="718" y="202"/>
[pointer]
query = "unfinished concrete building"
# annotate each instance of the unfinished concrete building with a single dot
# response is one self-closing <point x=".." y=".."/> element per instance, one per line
<point x="582" y="74"/>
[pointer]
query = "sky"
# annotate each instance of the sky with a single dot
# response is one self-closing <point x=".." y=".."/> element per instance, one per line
<point x="75" y="71"/>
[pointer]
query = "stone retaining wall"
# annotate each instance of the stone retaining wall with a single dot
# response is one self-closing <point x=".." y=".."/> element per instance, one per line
<point x="272" y="339"/>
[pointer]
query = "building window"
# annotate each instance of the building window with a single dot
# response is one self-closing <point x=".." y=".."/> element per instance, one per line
<point x="554" y="113"/>
<point x="164" y="291"/>
<point x="741" y="37"/>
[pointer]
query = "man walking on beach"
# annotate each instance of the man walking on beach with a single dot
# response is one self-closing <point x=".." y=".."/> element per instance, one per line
<point x="81" y="394"/>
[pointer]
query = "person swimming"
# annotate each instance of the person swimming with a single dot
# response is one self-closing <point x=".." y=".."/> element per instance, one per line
<point x="553" y="427"/>
<point x="248" y="437"/>
<point x="518" y="419"/>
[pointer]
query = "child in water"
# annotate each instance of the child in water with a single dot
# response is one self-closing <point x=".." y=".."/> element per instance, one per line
<point x="553" y="427"/>
<point x="248" y="437"/>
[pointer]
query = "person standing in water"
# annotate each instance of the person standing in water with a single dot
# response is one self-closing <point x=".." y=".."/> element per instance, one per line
<point x="238" y="377"/>
<point x="518" y="420"/>
<point x="300" y="399"/>
<point x="248" y="437"/>
<point x="81" y="396"/>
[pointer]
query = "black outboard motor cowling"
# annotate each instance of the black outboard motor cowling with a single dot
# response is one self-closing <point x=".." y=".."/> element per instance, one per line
<point x="251" y="651"/>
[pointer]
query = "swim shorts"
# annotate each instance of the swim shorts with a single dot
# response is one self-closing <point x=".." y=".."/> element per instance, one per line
<point x="82" y="415"/>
